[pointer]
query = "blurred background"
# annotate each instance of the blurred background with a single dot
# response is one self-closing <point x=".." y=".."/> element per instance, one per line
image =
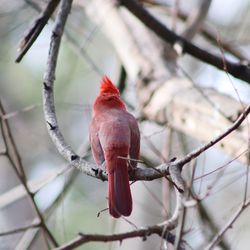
<point x="70" y="200"/>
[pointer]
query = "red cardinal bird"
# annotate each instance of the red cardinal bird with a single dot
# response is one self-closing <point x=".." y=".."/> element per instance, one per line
<point x="114" y="133"/>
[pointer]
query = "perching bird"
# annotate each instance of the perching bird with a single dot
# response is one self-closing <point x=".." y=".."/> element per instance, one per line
<point x="114" y="133"/>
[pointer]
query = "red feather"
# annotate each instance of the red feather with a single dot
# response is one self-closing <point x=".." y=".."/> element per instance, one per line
<point x="107" y="87"/>
<point x="114" y="133"/>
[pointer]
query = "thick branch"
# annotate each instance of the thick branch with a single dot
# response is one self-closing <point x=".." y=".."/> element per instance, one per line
<point x="36" y="29"/>
<point x="235" y="69"/>
<point x="208" y="33"/>
<point x="48" y="98"/>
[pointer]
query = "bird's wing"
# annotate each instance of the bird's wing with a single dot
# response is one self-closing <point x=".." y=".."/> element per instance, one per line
<point x="95" y="143"/>
<point x="134" y="150"/>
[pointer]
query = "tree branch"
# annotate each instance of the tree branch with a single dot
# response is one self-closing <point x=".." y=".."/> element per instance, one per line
<point x="17" y="166"/>
<point x="228" y="225"/>
<point x="143" y="233"/>
<point x="163" y="230"/>
<point x="36" y="29"/>
<point x="208" y="33"/>
<point x="235" y="126"/>
<point x="196" y="19"/>
<point x="235" y="69"/>
<point x="20" y="229"/>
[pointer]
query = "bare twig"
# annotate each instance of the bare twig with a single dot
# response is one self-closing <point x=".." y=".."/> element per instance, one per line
<point x="73" y="42"/>
<point x="30" y="234"/>
<point x="211" y="35"/>
<point x="183" y="213"/>
<point x="227" y="226"/>
<point x="20" y="229"/>
<point x="166" y="187"/>
<point x="238" y="70"/>
<point x="81" y="51"/>
<point x="143" y="233"/>
<point x="196" y="18"/>
<point x="9" y="138"/>
<point x="17" y="166"/>
<point x="235" y="125"/>
<point x="36" y="29"/>
<point x="35" y="186"/>
<point x="27" y="238"/>
<point x="207" y="219"/>
<point x="15" y="113"/>
<point x="206" y="97"/>
<point x="175" y="11"/>
<point x="208" y="33"/>
<point x="163" y="230"/>
<point x="246" y="151"/>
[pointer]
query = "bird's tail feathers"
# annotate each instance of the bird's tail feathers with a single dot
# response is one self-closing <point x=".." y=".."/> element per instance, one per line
<point x="119" y="194"/>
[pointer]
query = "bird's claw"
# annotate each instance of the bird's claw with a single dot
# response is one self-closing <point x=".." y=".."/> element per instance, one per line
<point x="103" y="166"/>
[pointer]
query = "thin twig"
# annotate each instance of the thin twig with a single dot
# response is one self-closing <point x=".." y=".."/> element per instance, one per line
<point x="9" y="138"/>
<point x="15" y="113"/>
<point x="196" y="19"/>
<point x="238" y="70"/>
<point x="228" y="225"/>
<point x="163" y="230"/>
<point x="20" y="229"/>
<point x="246" y="151"/>
<point x="83" y="52"/>
<point x="29" y="235"/>
<point x="166" y="187"/>
<point x="182" y="217"/>
<point x="36" y="29"/>
<point x="73" y="42"/>
<point x="234" y="126"/>
<point x="209" y="34"/>
<point x="204" y="95"/>
<point x="17" y="165"/>
<point x="16" y="193"/>
<point x="175" y="11"/>
<point x="207" y="219"/>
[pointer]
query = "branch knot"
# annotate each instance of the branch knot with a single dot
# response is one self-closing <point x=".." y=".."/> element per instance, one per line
<point x="47" y="87"/>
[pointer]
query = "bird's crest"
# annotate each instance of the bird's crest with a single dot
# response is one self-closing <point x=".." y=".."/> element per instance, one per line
<point x="107" y="87"/>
